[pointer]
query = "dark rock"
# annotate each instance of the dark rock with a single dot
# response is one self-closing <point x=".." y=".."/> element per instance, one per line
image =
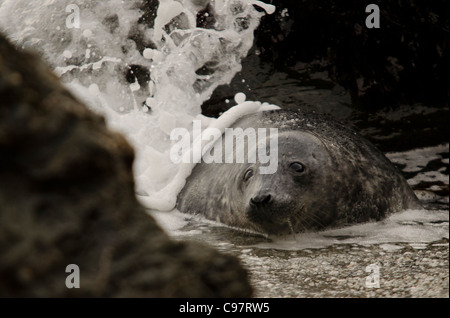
<point x="406" y="60"/>
<point x="67" y="197"/>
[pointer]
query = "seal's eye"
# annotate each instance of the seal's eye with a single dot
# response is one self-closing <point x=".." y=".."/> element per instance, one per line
<point x="248" y="174"/>
<point x="297" y="167"/>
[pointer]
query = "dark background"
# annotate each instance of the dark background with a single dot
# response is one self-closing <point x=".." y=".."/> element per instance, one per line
<point x="391" y="83"/>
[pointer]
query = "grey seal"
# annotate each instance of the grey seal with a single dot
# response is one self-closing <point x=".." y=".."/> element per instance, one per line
<point x="328" y="176"/>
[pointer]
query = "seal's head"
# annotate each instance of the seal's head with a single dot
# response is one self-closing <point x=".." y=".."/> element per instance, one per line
<point x="292" y="198"/>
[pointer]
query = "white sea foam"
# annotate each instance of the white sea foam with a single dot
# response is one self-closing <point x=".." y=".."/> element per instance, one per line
<point x="417" y="159"/>
<point x="410" y="226"/>
<point x="418" y="228"/>
<point x="92" y="61"/>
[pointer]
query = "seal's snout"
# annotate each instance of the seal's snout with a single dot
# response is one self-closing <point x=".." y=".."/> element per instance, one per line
<point x="261" y="200"/>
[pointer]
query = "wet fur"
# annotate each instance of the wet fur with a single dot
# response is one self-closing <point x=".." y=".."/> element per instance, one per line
<point x="350" y="180"/>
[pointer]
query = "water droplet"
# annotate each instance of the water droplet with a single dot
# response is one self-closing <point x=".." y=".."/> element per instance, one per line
<point x="240" y="98"/>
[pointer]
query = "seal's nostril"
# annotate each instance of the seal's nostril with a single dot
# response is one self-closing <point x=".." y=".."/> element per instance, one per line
<point x="261" y="200"/>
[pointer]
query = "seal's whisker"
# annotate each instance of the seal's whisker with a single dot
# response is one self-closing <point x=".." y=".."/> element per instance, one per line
<point x="314" y="220"/>
<point x="291" y="228"/>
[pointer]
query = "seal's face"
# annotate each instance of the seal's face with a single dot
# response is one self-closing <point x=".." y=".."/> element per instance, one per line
<point x="293" y="198"/>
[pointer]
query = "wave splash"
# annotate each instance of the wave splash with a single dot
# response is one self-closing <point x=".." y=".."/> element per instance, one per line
<point x="146" y="65"/>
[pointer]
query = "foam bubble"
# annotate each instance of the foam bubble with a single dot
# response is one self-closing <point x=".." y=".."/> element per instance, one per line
<point x="67" y="54"/>
<point x="148" y="54"/>
<point x="239" y="98"/>
<point x="87" y="33"/>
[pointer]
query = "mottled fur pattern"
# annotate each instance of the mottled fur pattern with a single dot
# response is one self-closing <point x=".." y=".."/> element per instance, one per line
<point x="346" y="180"/>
